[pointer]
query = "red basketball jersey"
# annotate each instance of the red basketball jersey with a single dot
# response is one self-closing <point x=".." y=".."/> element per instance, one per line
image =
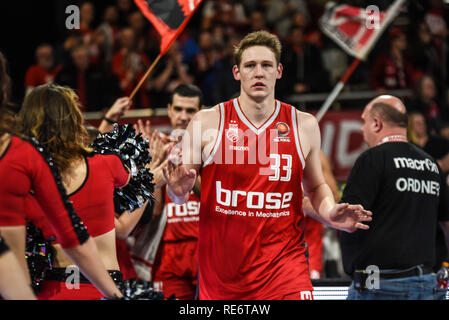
<point x="251" y="221"/>
<point x="182" y="220"/>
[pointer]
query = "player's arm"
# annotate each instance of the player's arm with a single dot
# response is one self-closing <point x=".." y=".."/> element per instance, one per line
<point x="315" y="186"/>
<point x="342" y="216"/>
<point x="181" y="171"/>
<point x="329" y="176"/>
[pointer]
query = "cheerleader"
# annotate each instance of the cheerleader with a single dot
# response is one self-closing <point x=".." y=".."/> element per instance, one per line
<point x="51" y="114"/>
<point x="26" y="166"/>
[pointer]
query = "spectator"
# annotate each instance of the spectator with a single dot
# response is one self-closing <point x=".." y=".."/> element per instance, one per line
<point x="97" y="88"/>
<point x="435" y="18"/>
<point x="136" y="22"/>
<point x="426" y="55"/>
<point x="229" y="12"/>
<point x="99" y="52"/>
<point x="279" y="14"/>
<point x="392" y="70"/>
<point x="44" y="70"/>
<point x="170" y="73"/>
<point x="125" y="7"/>
<point x="205" y="65"/>
<point x="64" y="51"/>
<point x="435" y="145"/>
<point x="257" y="21"/>
<point x="311" y="35"/>
<point x="188" y="46"/>
<point x="110" y="30"/>
<point x="130" y="66"/>
<point x="303" y="66"/>
<point x="226" y="87"/>
<point x="147" y="41"/>
<point x="426" y="101"/>
<point x="87" y="15"/>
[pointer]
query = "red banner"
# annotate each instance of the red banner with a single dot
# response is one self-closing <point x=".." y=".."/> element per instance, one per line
<point x="169" y="17"/>
<point x="342" y="140"/>
<point x="357" y="29"/>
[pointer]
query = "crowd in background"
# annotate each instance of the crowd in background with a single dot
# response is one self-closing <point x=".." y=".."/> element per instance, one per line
<point x="113" y="48"/>
<point x="109" y="54"/>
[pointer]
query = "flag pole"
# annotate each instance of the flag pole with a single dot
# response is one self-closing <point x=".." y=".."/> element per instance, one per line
<point x="337" y="89"/>
<point x="391" y="14"/>
<point x="144" y="7"/>
<point x="145" y="76"/>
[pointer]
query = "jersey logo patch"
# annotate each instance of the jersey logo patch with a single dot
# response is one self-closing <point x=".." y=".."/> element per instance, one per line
<point x="282" y="129"/>
<point x="232" y="133"/>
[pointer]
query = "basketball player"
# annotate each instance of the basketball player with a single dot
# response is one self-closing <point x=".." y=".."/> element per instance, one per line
<point x="175" y="268"/>
<point x="252" y="153"/>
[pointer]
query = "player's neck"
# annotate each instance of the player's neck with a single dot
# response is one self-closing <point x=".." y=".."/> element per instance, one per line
<point x="257" y="111"/>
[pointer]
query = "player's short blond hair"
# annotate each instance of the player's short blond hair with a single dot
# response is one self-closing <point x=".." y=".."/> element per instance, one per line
<point x="258" y="38"/>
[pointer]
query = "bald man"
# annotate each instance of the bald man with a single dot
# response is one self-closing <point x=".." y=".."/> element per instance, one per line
<point x="404" y="188"/>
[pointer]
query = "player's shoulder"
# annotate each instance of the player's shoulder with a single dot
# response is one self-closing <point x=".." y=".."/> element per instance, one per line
<point x="208" y="115"/>
<point x="306" y="120"/>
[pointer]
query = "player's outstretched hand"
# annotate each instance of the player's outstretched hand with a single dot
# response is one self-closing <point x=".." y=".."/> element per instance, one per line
<point x="143" y="128"/>
<point x="179" y="179"/>
<point x="348" y="217"/>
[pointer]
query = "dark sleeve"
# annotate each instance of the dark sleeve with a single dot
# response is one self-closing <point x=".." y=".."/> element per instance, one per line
<point x="363" y="181"/>
<point x="443" y="207"/>
<point x="3" y="246"/>
<point x="52" y="197"/>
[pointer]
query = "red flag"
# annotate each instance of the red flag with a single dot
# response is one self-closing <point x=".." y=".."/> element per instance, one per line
<point x="357" y="29"/>
<point x="169" y="17"/>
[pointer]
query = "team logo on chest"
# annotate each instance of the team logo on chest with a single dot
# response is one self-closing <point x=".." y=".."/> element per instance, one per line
<point x="282" y="130"/>
<point x="232" y="133"/>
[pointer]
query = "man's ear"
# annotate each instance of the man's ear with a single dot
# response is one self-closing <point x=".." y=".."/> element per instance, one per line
<point x="377" y="124"/>
<point x="280" y="69"/>
<point x="169" y="109"/>
<point x="236" y="72"/>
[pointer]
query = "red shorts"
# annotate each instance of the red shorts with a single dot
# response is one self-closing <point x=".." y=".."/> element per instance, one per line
<point x="300" y="295"/>
<point x="57" y="290"/>
<point x="313" y="235"/>
<point x="175" y="270"/>
<point x="124" y="260"/>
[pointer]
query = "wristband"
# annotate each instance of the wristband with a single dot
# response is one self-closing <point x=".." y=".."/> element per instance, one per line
<point x="109" y="120"/>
